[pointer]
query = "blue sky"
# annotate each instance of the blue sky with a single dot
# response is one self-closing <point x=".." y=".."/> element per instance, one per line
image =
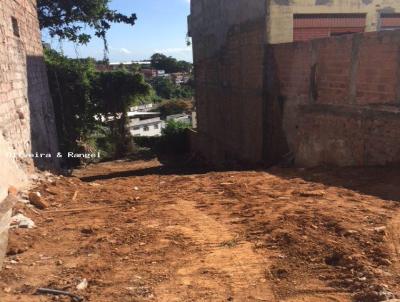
<point x="161" y="27"/>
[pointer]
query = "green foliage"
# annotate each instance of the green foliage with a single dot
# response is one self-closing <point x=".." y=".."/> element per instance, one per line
<point x="80" y="94"/>
<point x="169" y="64"/>
<point x="66" y="19"/>
<point x="150" y="98"/>
<point x="70" y="84"/>
<point x="183" y="92"/>
<point x="174" y="140"/>
<point x="164" y="87"/>
<point x="103" y="141"/>
<point x="167" y="89"/>
<point x="174" y="128"/>
<point x="173" y="107"/>
<point x="115" y="92"/>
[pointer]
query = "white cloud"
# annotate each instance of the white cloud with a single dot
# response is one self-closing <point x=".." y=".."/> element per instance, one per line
<point x="121" y="51"/>
<point x="125" y="51"/>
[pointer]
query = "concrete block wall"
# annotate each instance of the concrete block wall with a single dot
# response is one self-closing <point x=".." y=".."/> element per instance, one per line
<point x="340" y="99"/>
<point x="228" y="39"/>
<point x="26" y="113"/>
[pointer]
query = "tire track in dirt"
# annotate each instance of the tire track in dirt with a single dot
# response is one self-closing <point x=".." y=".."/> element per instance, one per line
<point x="225" y="266"/>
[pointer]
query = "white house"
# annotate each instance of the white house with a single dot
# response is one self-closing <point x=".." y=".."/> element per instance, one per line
<point x="145" y="123"/>
<point x="144" y="107"/>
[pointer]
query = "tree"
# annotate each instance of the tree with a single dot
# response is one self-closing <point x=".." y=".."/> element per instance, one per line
<point x="164" y="87"/>
<point x="184" y="66"/>
<point x="70" y="83"/>
<point x="173" y="107"/>
<point x="115" y="92"/>
<point x="81" y="95"/>
<point x="66" y="19"/>
<point x="167" y="89"/>
<point x="169" y="64"/>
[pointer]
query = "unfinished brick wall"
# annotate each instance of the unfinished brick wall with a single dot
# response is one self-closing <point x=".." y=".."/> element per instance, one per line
<point x="26" y="113"/>
<point x="228" y="39"/>
<point x="340" y="98"/>
<point x="327" y="101"/>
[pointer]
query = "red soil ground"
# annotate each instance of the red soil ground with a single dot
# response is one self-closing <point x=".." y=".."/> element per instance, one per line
<point x="139" y="231"/>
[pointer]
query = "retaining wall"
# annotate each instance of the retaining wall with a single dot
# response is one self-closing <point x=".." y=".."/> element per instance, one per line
<point x="26" y="113"/>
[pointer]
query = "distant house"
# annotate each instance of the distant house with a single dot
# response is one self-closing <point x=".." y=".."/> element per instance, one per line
<point x="144" y="107"/>
<point x="180" y="77"/>
<point x="119" y="65"/>
<point x="151" y="73"/>
<point x="183" y="118"/>
<point x="145" y="123"/>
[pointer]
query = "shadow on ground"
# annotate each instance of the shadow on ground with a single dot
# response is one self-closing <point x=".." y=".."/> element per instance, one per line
<point x="170" y="166"/>
<point x="382" y="182"/>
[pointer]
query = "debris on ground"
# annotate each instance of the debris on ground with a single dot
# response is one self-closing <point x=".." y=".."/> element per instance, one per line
<point x="49" y="291"/>
<point x="37" y="200"/>
<point x="82" y="285"/>
<point x="21" y="221"/>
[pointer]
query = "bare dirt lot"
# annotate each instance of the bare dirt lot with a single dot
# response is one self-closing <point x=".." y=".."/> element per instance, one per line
<point x="140" y="231"/>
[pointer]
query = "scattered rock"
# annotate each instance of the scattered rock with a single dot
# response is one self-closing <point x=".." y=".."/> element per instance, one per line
<point x="317" y="193"/>
<point x="13" y="251"/>
<point x="24" y="200"/>
<point x="385" y="262"/>
<point x="380" y="230"/>
<point x="350" y="232"/>
<point x="59" y="262"/>
<point x="386" y="294"/>
<point x="7" y="290"/>
<point x="12" y="191"/>
<point x="280" y="273"/>
<point x="50" y="192"/>
<point x="83" y="285"/>
<point x="336" y="259"/>
<point x="87" y="230"/>
<point x="37" y="200"/>
<point x="376" y="295"/>
<point x="22" y="222"/>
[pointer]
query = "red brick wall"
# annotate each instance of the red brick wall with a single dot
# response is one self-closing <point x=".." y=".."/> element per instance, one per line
<point x="341" y="98"/>
<point x="307" y="27"/>
<point x="327" y="101"/>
